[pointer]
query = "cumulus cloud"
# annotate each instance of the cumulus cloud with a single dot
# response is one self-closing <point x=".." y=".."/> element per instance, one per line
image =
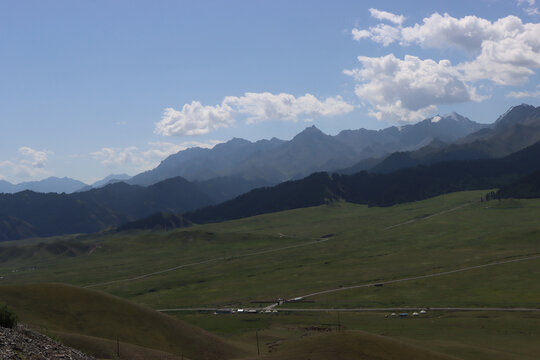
<point x="385" y="15"/>
<point x="267" y="106"/>
<point x="29" y="164"/>
<point x="407" y="90"/>
<point x="196" y="119"/>
<point x="116" y="156"/>
<point x="160" y="149"/>
<point x="505" y="52"/>
<point x="33" y="157"/>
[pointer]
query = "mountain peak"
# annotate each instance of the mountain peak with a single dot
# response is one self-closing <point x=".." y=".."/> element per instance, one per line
<point x="311" y="130"/>
<point x="516" y="114"/>
<point x="455" y="116"/>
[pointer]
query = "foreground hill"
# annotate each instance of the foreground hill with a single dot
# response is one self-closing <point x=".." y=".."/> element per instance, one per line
<point x="79" y="315"/>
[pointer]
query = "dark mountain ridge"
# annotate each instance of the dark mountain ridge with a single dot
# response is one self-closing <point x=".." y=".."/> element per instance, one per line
<point x="374" y="189"/>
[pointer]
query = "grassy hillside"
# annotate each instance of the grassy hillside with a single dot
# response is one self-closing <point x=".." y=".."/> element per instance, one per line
<point x="298" y="252"/>
<point x="76" y="311"/>
<point x="352" y="345"/>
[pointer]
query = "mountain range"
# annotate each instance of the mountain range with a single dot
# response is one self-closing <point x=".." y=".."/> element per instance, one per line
<point x="59" y="185"/>
<point x="516" y="129"/>
<point x="311" y="150"/>
<point x="254" y="169"/>
<point x="51" y="184"/>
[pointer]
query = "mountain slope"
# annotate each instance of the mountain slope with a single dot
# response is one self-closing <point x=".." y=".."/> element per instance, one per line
<point x="28" y="213"/>
<point x="518" y="128"/>
<point x="404" y="185"/>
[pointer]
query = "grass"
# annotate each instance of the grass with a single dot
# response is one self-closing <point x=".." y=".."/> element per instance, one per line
<point x="363" y="246"/>
<point x="67" y="309"/>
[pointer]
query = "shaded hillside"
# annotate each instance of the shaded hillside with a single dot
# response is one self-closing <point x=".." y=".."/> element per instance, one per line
<point x="313" y="190"/>
<point x="28" y="214"/>
<point x="405" y="185"/>
<point x="527" y="187"/>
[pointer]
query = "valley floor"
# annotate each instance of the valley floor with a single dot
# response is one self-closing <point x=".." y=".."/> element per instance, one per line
<point x="446" y="254"/>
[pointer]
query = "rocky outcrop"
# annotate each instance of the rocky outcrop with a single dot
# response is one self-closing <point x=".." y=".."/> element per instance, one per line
<point x="22" y="342"/>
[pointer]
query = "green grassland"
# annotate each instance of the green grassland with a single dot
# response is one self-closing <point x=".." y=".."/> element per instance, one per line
<point x="298" y="252"/>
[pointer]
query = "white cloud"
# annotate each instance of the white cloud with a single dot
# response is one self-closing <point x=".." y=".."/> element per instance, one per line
<point x="30" y="164"/>
<point x="384" y="15"/>
<point x="160" y="150"/>
<point x="136" y="159"/>
<point x="116" y="157"/>
<point x="523" y="94"/>
<point x="505" y="52"/>
<point x="267" y="106"/>
<point x="360" y="34"/>
<point x="407" y="90"/>
<point x="196" y="119"/>
<point x="33" y="157"/>
<point x="121" y="123"/>
<point x="6" y="163"/>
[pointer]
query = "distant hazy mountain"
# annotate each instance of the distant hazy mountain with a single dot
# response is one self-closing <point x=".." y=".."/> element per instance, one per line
<point x="310" y="151"/>
<point x="516" y="129"/>
<point x="51" y="184"/>
<point x="203" y="164"/>
<point x="110" y="180"/>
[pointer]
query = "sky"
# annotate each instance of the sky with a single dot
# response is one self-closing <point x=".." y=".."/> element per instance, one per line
<point x="91" y="88"/>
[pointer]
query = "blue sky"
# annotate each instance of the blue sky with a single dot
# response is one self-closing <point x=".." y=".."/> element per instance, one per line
<point x="89" y="88"/>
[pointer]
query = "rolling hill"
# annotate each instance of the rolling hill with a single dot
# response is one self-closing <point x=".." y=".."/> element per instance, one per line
<point x="76" y="315"/>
